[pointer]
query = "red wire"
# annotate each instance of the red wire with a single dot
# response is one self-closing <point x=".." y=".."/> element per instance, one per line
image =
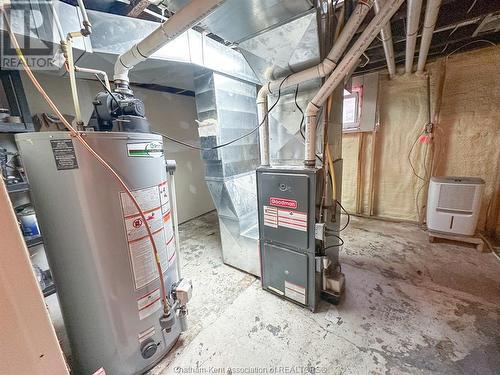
<point x="89" y="148"/>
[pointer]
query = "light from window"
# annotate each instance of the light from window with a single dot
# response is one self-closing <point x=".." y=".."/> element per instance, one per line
<point x="350" y="118"/>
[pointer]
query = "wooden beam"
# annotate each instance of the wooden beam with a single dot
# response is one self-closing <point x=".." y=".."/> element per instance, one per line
<point x="138" y="7"/>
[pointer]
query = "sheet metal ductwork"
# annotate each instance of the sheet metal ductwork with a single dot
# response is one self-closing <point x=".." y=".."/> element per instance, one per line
<point x="172" y="65"/>
<point x="226" y="110"/>
<point x="274" y="54"/>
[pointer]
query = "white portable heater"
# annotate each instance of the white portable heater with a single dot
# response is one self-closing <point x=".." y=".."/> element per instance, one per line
<point x="453" y="204"/>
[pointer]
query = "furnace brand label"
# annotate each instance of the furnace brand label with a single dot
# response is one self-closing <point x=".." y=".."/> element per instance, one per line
<point x="283" y="202"/>
<point x="145" y="149"/>
<point x="278" y="217"/>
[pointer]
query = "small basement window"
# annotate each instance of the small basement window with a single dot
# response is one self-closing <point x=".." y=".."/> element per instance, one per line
<point x="351" y="109"/>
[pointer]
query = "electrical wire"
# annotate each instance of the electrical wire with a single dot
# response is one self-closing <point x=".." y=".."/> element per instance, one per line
<point x="409" y="157"/>
<point x="336" y="245"/>
<point x="233" y="140"/>
<point x="108" y="91"/>
<point x="301" y="126"/>
<point x="348" y="216"/>
<point x="469" y="43"/>
<point x="84" y="143"/>
<point x="301" y="111"/>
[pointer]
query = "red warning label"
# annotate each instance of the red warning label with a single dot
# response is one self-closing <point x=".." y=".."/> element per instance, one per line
<point x="285" y="218"/>
<point x="292" y="219"/>
<point x="283" y="202"/>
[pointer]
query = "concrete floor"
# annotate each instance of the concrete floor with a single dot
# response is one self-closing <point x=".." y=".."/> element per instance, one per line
<point x="410" y="307"/>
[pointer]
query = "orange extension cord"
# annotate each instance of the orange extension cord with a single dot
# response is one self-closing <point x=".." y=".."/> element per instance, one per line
<point x="78" y="136"/>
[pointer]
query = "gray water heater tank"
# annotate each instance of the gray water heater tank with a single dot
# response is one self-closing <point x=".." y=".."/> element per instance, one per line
<point x="97" y="247"/>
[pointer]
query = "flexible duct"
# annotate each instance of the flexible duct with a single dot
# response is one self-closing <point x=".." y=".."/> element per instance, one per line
<point x="346" y="66"/>
<point x="413" y="17"/>
<point x="386" y="36"/>
<point x="181" y="21"/>
<point x="319" y="71"/>
<point x="431" y="15"/>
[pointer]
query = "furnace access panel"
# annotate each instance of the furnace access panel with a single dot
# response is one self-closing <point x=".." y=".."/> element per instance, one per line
<point x="287" y="204"/>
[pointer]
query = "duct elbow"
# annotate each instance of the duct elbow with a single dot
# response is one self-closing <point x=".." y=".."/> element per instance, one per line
<point x="311" y="110"/>
<point x="126" y="61"/>
<point x="120" y="71"/>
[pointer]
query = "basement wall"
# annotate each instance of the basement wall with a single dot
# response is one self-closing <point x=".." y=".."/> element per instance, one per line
<point x="168" y="113"/>
<point x="465" y="95"/>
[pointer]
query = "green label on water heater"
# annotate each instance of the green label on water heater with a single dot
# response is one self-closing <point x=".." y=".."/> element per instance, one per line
<point x="145" y="150"/>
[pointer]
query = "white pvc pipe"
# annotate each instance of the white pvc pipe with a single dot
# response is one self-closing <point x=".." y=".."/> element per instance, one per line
<point x="57" y="21"/>
<point x="431" y="15"/>
<point x="263" y="133"/>
<point x="413" y="18"/>
<point x="347" y="64"/>
<point x="181" y="21"/>
<point x="319" y="71"/>
<point x="386" y="36"/>
<point x="87" y="27"/>
<point x="95" y="71"/>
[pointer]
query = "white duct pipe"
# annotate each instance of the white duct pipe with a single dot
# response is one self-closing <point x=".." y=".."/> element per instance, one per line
<point x="95" y="71"/>
<point x="319" y="71"/>
<point x="386" y="36"/>
<point x="431" y="15"/>
<point x="57" y="21"/>
<point x="87" y="27"/>
<point x="181" y="21"/>
<point x="347" y="64"/>
<point x="412" y="17"/>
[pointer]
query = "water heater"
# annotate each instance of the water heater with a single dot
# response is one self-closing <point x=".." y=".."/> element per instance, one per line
<point x="97" y="244"/>
<point x="453" y="204"/>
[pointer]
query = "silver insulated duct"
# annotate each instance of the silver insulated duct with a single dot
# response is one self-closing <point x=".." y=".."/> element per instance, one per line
<point x="226" y="110"/>
<point x="101" y="259"/>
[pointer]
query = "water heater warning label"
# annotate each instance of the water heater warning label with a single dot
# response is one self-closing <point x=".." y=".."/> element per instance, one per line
<point x="149" y="304"/>
<point x="155" y="206"/>
<point x="64" y="154"/>
<point x="278" y="217"/>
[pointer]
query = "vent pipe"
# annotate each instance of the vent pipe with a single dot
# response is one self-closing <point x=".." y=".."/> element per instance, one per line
<point x="347" y="65"/>
<point x="386" y="36"/>
<point x="184" y="19"/>
<point x="431" y="15"/>
<point x="318" y="71"/>
<point x="413" y="18"/>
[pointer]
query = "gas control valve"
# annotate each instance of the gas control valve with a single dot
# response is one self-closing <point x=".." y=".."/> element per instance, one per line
<point x="182" y="291"/>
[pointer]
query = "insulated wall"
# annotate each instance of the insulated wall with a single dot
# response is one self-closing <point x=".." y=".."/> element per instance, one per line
<point x="465" y="92"/>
